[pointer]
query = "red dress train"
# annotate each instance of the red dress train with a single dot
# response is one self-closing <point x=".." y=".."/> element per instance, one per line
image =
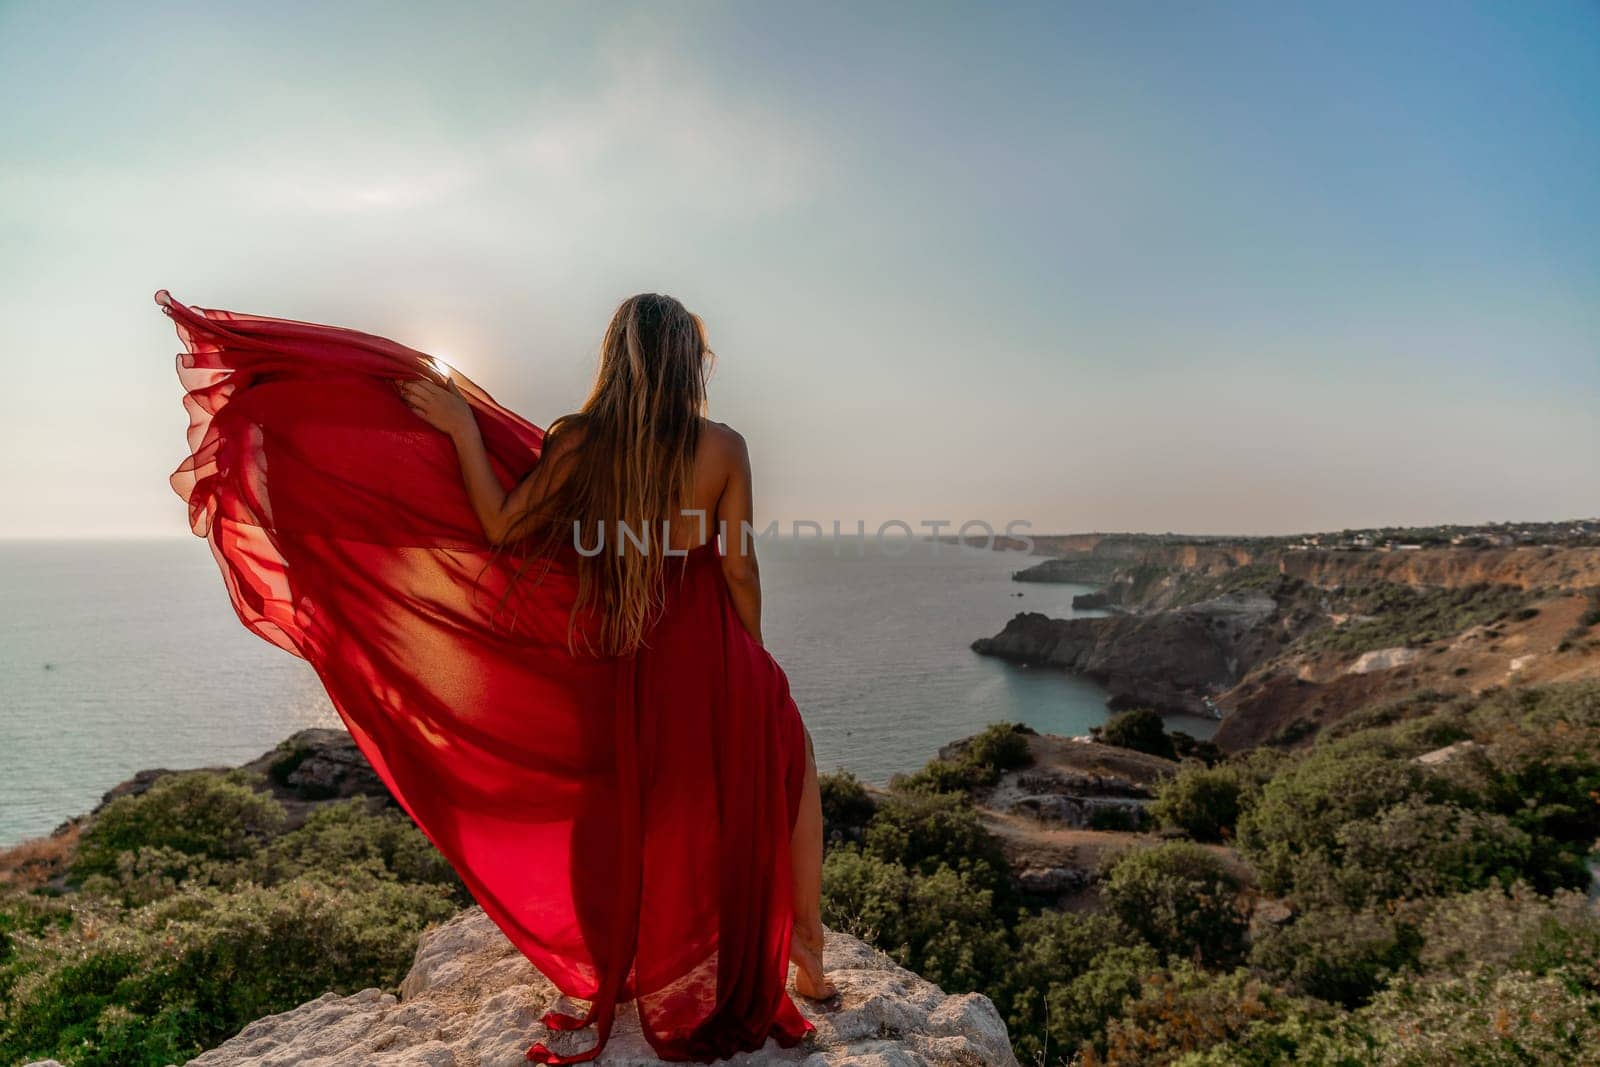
<point x="624" y="820"/>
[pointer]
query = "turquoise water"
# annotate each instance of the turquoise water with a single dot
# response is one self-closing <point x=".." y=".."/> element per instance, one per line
<point x="117" y="656"/>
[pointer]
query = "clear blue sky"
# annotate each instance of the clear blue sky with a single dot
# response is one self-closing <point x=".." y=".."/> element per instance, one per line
<point x="1206" y="267"/>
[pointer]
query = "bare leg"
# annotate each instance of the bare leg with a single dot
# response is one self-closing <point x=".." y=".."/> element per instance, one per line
<point x="805" y="849"/>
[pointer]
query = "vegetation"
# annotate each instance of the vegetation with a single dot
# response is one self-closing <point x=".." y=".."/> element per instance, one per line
<point x="1428" y="913"/>
<point x="1203" y="802"/>
<point x="1346" y="904"/>
<point x="1140" y="729"/>
<point x="978" y="762"/>
<point x="1256" y="577"/>
<point x="1388" y="615"/>
<point x="196" y="912"/>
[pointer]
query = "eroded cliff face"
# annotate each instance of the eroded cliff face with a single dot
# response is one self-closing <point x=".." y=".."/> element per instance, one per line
<point x="472" y="1000"/>
<point x="1218" y="628"/>
<point x="1289" y="698"/>
<point x="1450" y="568"/>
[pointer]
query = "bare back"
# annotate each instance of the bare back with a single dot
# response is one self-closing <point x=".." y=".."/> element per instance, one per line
<point x="721" y="490"/>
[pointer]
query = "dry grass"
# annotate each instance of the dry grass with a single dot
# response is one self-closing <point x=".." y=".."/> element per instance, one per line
<point x="34" y="862"/>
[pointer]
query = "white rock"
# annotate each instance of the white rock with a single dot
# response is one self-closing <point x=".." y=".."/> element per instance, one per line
<point x="1382" y="659"/>
<point x="472" y="1000"/>
<point x="1440" y="756"/>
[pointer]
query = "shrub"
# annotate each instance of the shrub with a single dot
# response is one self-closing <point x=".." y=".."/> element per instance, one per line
<point x="1053" y="951"/>
<point x="924" y="832"/>
<point x="1309" y="1034"/>
<point x="1184" y="1010"/>
<point x="1078" y="1006"/>
<point x="942" y="776"/>
<point x="1186" y="746"/>
<point x="847" y="807"/>
<point x="941" y="925"/>
<point x="1181" y="899"/>
<point x="163" y="982"/>
<point x="1299" y="814"/>
<point x="1393" y="614"/>
<point x="1203" y="802"/>
<point x="350" y="834"/>
<point x="1515" y="930"/>
<point x="1418" y="849"/>
<point x="1482" y="1017"/>
<point x="197" y="813"/>
<point x="975" y="763"/>
<point x="1003" y="745"/>
<point x="1336" y="954"/>
<point x="1140" y="729"/>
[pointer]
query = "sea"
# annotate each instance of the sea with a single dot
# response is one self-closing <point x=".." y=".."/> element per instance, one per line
<point x="122" y="655"/>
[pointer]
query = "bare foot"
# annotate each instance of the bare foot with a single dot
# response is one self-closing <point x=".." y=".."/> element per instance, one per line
<point x="805" y="950"/>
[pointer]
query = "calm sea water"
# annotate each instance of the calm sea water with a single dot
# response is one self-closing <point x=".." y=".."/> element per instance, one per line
<point x="117" y="656"/>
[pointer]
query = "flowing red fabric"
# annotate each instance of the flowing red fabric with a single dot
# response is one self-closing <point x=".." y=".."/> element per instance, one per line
<point x="625" y="820"/>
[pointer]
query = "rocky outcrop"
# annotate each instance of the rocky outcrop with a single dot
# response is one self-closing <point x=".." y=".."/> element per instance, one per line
<point x="1170" y="660"/>
<point x="1061" y="813"/>
<point x="309" y="768"/>
<point x="1074" y="570"/>
<point x="1097" y="559"/>
<point x="472" y="1000"/>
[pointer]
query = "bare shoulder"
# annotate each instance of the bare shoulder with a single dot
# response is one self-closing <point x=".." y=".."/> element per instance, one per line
<point x="566" y="434"/>
<point x="724" y="445"/>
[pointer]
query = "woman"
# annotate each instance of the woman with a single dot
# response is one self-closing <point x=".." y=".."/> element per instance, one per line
<point x="537" y="642"/>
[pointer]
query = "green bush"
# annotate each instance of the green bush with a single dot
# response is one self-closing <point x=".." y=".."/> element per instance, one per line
<point x="1336" y="954"/>
<point x="847" y="807"/>
<point x="1203" y="802"/>
<point x="1079" y="1005"/>
<point x="924" y="832"/>
<point x="1140" y="729"/>
<point x="1181" y="899"/>
<point x="1040" y="991"/>
<point x="1002" y="745"/>
<point x="1515" y="930"/>
<point x="942" y="925"/>
<point x="347" y="835"/>
<point x="976" y="763"/>
<point x="206" y="814"/>
<point x="1482" y="1018"/>
<point x="1291" y="831"/>
<point x="161" y="983"/>
<point x="1393" y="615"/>
<point x="1417" y="849"/>
<point x="944" y="776"/>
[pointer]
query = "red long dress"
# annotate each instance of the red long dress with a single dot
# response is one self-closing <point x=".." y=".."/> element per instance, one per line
<point x="624" y="820"/>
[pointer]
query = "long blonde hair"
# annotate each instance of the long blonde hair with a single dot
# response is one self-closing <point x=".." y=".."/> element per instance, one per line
<point x="632" y="463"/>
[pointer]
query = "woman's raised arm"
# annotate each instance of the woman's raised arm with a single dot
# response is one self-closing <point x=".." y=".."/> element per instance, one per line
<point x="445" y="409"/>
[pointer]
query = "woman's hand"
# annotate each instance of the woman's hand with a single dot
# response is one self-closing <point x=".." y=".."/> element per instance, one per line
<point x="440" y="406"/>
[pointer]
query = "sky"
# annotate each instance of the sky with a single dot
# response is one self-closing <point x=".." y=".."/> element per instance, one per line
<point x="1210" y="268"/>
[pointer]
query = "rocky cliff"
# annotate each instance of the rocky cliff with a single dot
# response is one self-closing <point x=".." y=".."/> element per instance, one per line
<point x="1450" y="568"/>
<point x="1171" y="660"/>
<point x="472" y="1000"/>
<point x="1282" y="641"/>
<point x="1098" y="558"/>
